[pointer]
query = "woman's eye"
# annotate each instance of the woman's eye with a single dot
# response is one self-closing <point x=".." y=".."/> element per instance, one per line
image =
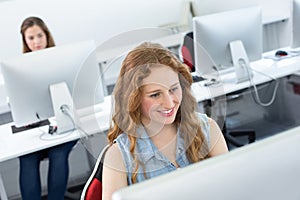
<point x="154" y="95"/>
<point x="174" y="89"/>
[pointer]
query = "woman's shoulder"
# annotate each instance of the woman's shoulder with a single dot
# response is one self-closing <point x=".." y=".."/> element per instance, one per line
<point x="204" y="120"/>
<point x="123" y="143"/>
<point x="122" y="138"/>
<point x="205" y="123"/>
<point x="202" y="116"/>
<point x="112" y="155"/>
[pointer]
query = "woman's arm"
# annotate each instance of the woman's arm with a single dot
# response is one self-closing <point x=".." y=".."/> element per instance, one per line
<point x="114" y="174"/>
<point x="217" y="142"/>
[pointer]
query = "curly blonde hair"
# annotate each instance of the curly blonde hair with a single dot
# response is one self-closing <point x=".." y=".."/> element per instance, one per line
<point x="127" y="96"/>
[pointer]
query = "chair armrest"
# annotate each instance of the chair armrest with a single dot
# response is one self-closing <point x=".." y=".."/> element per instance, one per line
<point x="231" y="136"/>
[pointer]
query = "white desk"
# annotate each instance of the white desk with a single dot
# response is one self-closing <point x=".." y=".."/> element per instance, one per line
<point x="275" y="69"/>
<point x="18" y="144"/>
<point x="15" y="145"/>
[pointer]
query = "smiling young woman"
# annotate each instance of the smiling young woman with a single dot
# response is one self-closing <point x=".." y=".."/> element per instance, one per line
<point x="155" y="127"/>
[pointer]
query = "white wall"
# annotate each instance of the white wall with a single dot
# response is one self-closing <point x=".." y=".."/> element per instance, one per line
<point x="71" y="21"/>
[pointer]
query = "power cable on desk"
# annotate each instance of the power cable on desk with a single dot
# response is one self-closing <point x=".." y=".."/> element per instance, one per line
<point x="256" y="97"/>
<point x="66" y="110"/>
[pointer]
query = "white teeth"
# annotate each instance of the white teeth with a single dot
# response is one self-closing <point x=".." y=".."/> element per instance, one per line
<point x="167" y="111"/>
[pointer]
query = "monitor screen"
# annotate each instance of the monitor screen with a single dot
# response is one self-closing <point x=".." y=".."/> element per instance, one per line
<point x="266" y="169"/>
<point x="214" y="32"/>
<point x="296" y="24"/>
<point x="28" y="78"/>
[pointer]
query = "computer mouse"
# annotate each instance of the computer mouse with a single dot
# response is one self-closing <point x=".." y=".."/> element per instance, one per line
<point x="280" y="53"/>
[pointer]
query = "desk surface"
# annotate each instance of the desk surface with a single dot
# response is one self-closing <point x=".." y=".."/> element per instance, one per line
<point x="17" y="144"/>
<point x="275" y="69"/>
<point x="14" y="145"/>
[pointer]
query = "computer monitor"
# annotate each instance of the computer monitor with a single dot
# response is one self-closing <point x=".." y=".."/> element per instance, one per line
<point x="47" y="82"/>
<point x="266" y="169"/>
<point x="295" y="42"/>
<point x="229" y="38"/>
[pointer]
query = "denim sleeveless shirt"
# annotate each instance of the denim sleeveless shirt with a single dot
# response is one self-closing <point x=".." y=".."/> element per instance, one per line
<point x="152" y="161"/>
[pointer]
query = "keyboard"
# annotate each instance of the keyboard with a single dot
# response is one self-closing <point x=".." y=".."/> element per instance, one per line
<point x="198" y="78"/>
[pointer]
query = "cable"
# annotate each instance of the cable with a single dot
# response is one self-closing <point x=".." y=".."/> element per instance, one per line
<point x="256" y="97"/>
<point x="66" y="110"/>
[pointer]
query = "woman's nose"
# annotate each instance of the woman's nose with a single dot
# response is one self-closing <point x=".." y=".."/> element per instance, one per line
<point x="169" y="100"/>
<point x="36" y="40"/>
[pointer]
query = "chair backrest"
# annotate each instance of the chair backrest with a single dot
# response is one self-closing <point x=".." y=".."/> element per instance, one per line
<point x="93" y="187"/>
<point x="187" y="51"/>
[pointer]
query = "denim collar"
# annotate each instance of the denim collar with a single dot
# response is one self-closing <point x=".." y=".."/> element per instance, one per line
<point x="148" y="150"/>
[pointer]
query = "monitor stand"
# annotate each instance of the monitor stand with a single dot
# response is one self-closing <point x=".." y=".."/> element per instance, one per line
<point x="63" y="110"/>
<point x="240" y="61"/>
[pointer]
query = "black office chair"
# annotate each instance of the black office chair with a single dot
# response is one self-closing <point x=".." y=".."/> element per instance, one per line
<point x="236" y="137"/>
<point x="231" y="137"/>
